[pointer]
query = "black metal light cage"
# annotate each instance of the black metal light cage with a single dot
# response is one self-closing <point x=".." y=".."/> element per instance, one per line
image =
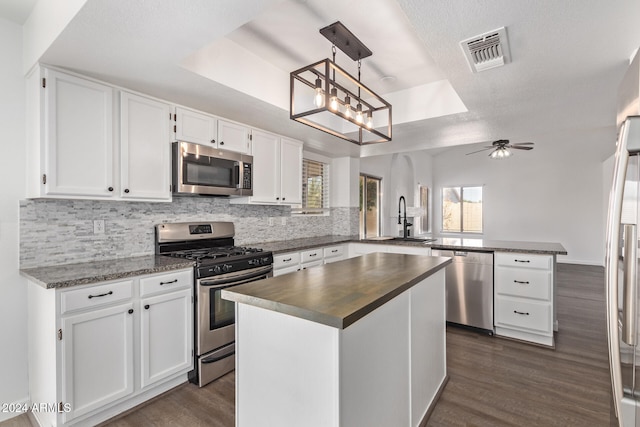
<point x="302" y="109"/>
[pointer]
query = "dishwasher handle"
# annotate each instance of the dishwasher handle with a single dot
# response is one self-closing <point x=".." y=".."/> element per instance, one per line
<point x="460" y="253"/>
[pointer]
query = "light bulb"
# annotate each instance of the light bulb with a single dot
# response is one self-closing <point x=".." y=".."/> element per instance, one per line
<point x="369" y="120"/>
<point x="333" y="103"/>
<point x="347" y="106"/>
<point x="359" y="113"/>
<point x="319" y="99"/>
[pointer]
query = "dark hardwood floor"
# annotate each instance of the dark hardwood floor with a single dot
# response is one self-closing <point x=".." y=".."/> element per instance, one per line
<point x="493" y="381"/>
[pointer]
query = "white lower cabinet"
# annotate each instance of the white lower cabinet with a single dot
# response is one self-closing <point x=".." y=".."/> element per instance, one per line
<point x="97" y="355"/>
<point x="524" y="296"/>
<point x="165" y="332"/>
<point x="98" y="350"/>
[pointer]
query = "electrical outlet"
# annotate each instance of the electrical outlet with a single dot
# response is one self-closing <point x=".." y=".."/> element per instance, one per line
<point x="271" y="222"/>
<point x="283" y="221"/>
<point x="98" y="226"/>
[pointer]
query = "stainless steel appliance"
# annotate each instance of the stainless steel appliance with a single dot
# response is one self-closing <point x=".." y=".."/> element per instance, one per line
<point x="469" y="287"/>
<point x="218" y="265"/>
<point x="199" y="169"/>
<point x="621" y="256"/>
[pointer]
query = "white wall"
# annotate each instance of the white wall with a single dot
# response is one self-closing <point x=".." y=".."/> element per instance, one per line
<point x="553" y="193"/>
<point x="401" y="174"/>
<point x="13" y="289"/>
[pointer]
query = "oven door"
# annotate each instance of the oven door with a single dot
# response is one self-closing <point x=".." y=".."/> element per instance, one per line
<point x="199" y="169"/>
<point x="216" y="316"/>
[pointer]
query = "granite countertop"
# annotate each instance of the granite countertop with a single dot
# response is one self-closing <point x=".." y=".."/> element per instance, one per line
<point x="340" y="293"/>
<point x="62" y="276"/>
<point x="545" y="248"/>
<point x="283" y="246"/>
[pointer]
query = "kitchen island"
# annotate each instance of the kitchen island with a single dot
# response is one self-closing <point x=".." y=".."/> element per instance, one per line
<point x="356" y="342"/>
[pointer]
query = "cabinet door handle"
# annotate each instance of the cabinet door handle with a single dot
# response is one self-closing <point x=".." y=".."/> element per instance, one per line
<point x="521" y="260"/>
<point x="110" y="188"/>
<point x="101" y="295"/>
<point x="126" y="190"/>
<point x="146" y="307"/>
<point x="519" y="281"/>
<point x="130" y="311"/>
<point x="169" y="282"/>
<point x="521" y="312"/>
<point x="277" y="198"/>
<point x="283" y="198"/>
<point x="221" y="142"/>
<point x="213" y="141"/>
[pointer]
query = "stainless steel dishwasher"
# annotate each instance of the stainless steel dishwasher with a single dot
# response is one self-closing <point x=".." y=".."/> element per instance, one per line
<point x="469" y="288"/>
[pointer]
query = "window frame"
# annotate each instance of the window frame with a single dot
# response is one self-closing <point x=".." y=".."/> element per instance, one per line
<point x="462" y="230"/>
<point x="362" y="201"/>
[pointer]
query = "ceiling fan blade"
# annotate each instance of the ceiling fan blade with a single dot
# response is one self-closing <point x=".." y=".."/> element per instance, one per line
<point x="521" y="148"/>
<point x="522" y="143"/>
<point x="484" y="149"/>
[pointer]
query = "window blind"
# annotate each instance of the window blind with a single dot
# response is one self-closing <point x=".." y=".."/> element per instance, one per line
<point x="315" y="187"/>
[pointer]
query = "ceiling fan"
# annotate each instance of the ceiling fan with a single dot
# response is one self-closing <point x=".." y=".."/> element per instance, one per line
<point x="501" y="148"/>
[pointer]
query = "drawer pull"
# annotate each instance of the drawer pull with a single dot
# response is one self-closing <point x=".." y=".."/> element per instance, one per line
<point x="519" y="281"/>
<point x="313" y="254"/>
<point x="101" y="295"/>
<point x="286" y="260"/>
<point x="521" y="260"/>
<point x="169" y="282"/>
<point x="334" y="251"/>
<point x="520" y="312"/>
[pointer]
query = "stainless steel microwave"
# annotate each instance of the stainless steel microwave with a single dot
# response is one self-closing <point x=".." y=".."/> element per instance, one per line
<point x="200" y="169"/>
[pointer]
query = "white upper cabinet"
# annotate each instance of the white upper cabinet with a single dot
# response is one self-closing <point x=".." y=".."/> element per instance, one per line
<point x="266" y="170"/>
<point x="77" y="137"/>
<point x="277" y="169"/>
<point x="291" y="171"/>
<point x="233" y="137"/>
<point x="201" y="128"/>
<point x="196" y="127"/>
<point x="145" y="148"/>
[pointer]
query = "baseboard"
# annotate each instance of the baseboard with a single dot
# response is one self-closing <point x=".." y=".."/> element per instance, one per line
<point x="13" y="409"/>
<point x="432" y="406"/>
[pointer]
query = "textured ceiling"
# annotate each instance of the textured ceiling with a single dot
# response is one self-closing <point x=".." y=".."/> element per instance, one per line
<point x="568" y="57"/>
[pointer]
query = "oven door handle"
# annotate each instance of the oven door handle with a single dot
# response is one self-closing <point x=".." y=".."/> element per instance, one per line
<point x="236" y="279"/>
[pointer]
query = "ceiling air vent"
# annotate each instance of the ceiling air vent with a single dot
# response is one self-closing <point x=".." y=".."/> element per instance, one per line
<point x="488" y="50"/>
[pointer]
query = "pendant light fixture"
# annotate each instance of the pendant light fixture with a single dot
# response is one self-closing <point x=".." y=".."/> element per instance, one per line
<point x="321" y="95"/>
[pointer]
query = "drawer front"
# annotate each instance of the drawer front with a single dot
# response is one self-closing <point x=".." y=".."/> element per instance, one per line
<point x="95" y="296"/>
<point x="311" y="255"/>
<point x="165" y="282"/>
<point x="522" y="314"/>
<point x="523" y="260"/>
<point x="286" y="260"/>
<point x="523" y="282"/>
<point x="334" y="251"/>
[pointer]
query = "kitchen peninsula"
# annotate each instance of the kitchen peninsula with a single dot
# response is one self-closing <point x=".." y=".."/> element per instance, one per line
<point x="356" y="342"/>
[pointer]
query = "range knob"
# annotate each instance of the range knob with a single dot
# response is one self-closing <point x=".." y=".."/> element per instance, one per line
<point x="226" y="267"/>
<point x="265" y="260"/>
<point x="216" y="269"/>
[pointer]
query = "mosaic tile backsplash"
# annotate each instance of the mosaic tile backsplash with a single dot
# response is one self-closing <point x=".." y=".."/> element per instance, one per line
<point x="61" y="231"/>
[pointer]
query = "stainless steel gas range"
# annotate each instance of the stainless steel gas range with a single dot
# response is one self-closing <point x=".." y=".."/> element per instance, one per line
<point x="218" y="265"/>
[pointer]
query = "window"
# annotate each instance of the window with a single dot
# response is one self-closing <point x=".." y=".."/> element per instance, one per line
<point x="462" y="209"/>
<point x="370" y="189"/>
<point x="315" y="187"/>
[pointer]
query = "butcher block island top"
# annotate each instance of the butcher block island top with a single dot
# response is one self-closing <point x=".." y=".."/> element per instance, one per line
<point x="340" y="293"/>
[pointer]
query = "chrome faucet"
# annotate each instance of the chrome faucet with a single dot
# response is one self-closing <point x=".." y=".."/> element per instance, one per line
<point x="405" y="224"/>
